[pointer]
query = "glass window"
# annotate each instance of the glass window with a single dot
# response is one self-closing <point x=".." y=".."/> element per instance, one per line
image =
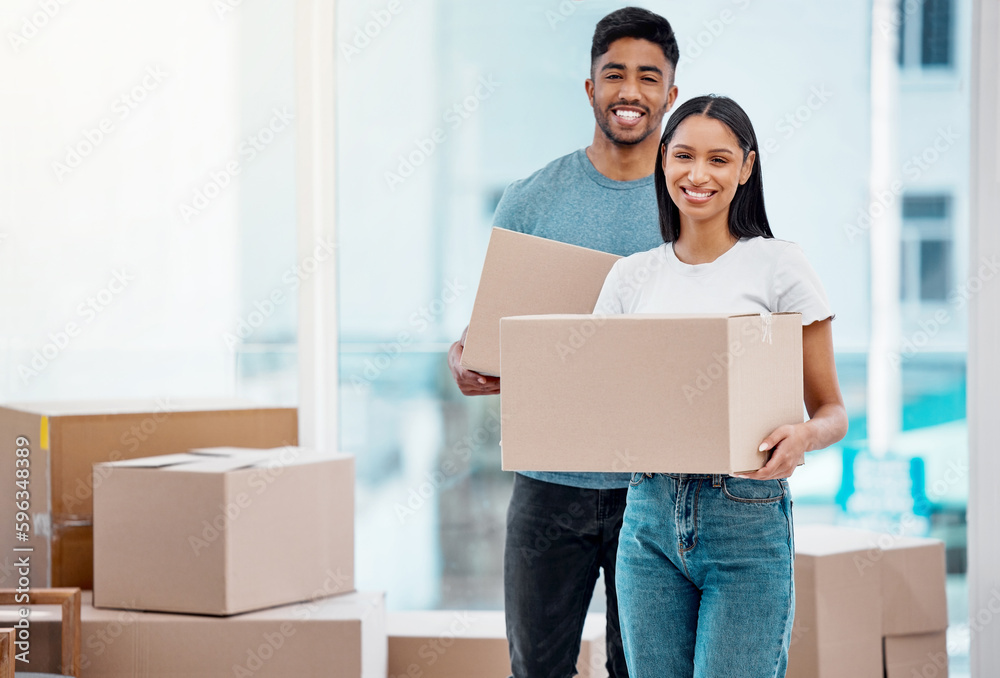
<point x="925" y="33"/>
<point x="935" y="34"/>
<point x="491" y="96"/>
<point x="927" y="260"/>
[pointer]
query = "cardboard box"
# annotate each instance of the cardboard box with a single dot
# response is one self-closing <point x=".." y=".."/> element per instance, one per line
<point x="652" y="393"/>
<point x="73" y="551"/>
<point x="528" y="275"/>
<point x="338" y="637"/>
<point x="462" y="644"/>
<point x="222" y="531"/>
<point x="912" y="571"/>
<point x="44" y="642"/>
<point x="838" y="607"/>
<point x="914" y="580"/>
<point x="924" y="654"/>
<point x="66" y="438"/>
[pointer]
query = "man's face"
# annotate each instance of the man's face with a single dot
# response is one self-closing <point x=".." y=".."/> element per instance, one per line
<point x="631" y="90"/>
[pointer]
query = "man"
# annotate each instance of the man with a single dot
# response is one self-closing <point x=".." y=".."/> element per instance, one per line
<point x="601" y="197"/>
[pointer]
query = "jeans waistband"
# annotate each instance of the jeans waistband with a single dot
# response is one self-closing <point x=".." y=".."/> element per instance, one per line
<point x="716" y="478"/>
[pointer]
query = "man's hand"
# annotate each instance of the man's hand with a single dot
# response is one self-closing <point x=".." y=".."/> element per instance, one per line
<point x="469" y="382"/>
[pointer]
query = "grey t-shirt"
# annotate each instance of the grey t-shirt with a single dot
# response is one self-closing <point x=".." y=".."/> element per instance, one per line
<point x="570" y="201"/>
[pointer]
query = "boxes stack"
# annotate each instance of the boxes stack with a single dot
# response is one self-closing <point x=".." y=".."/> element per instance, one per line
<point x="337" y="636"/>
<point x="65" y="439"/>
<point x="867" y="605"/>
<point x="915" y="615"/>
<point x="260" y="540"/>
<point x="222" y="531"/>
<point x="460" y="644"/>
<point x="205" y="560"/>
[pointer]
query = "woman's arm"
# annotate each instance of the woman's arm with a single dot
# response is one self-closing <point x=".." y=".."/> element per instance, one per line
<point x="827" y="417"/>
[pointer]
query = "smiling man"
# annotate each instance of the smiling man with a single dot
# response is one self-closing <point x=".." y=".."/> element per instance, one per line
<point x="601" y="197"/>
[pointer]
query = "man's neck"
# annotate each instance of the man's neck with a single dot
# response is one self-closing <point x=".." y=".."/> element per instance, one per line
<point x="623" y="163"/>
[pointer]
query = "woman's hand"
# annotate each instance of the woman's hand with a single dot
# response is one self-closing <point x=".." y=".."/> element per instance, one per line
<point x="789" y="445"/>
<point x="827" y="417"/>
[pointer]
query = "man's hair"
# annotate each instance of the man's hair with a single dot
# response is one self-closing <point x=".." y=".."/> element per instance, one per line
<point x="634" y="22"/>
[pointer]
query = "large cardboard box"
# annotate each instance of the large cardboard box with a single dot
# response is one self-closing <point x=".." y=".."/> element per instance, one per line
<point x="528" y="275"/>
<point x="64" y="439"/>
<point x="222" y="531"/>
<point x="464" y="644"/>
<point x="838" y="607"/>
<point x="914" y="578"/>
<point x="924" y="655"/>
<point x="913" y="574"/>
<point x="338" y="637"/>
<point x="652" y="393"/>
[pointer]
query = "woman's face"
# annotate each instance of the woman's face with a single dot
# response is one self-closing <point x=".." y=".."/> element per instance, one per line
<point x="703" y="166"/>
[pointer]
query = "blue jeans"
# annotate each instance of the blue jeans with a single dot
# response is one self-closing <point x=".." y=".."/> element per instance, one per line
<point x="558" y="539"/>
<point x="705" y="580"/>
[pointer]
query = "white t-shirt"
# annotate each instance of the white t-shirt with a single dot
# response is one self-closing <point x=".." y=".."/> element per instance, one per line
<point x="754" y="275"/>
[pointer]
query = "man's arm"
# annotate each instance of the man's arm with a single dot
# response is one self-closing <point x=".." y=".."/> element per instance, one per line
<point x="469" y="382"/>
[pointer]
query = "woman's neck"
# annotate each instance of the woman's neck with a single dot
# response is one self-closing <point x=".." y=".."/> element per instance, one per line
<point x="703" y="242"/>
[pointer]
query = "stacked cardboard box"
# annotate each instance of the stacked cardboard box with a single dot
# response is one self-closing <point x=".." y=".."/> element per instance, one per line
<point x="44" y="645"/>
<point x="65" y="439"/>
<point x="867" y="605"/>
<point x="838" y="607"/>
<point x="915" y="616"/>
<point x="224" y="530"/>
<point x="923" y="654"/>
<point x="229" y="532"/>
<point x="461" y="644"/>
<point x="330" y="637"/>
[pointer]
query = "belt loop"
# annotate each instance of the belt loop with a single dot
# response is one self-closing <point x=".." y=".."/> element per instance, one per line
<point x="716" y="480"/>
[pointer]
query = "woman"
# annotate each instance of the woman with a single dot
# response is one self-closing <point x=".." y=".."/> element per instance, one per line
<point x="704" y="573"/>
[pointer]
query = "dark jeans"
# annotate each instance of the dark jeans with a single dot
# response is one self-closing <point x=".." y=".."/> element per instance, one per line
<point x="558" y="538"/>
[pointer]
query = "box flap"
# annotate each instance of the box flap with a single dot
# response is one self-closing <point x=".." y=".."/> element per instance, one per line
<point x="152" y="462"/>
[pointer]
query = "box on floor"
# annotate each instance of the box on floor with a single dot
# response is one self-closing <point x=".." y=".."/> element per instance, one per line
<point x="336" y="637"/>
<point x="650" y="393"/>
<point x="854" y="588"/>
<point x="924" y="655"/>
<point x="223" y="530"/>
<point x="64" y="439"/>
<point x="461" y="644"/>
<point x="527" y="275"/>
<point x="43" y="647"/>
<point x="838" y="608"/>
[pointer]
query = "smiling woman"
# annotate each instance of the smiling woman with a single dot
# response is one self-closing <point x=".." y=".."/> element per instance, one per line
<point x="717" y="552"/>
<point x="707" y="152"/>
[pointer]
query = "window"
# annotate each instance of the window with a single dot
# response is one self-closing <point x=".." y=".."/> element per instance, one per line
<point x="925" y="33"/>
<point x="926" y="259"/>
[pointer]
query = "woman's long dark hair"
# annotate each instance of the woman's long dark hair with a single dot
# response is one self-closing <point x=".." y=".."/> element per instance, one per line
<point x="747" y="217"/>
